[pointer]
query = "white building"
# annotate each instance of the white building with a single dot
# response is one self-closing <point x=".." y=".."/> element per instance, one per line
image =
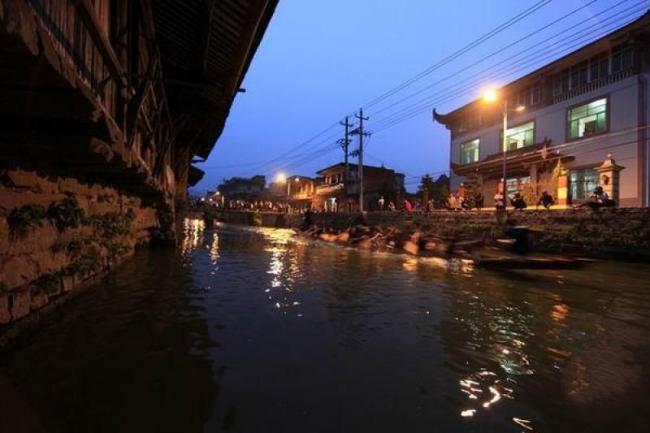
<point x="578" y="115"/>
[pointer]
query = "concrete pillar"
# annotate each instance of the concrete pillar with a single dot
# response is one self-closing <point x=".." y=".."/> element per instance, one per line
<point x="608" y="177"/>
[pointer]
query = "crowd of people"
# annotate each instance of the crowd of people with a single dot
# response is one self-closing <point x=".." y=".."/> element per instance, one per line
<point x="461" y="200"/>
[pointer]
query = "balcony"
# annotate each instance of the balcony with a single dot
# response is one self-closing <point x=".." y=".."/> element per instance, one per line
<point x="593" y="85"/>
<point x="68" y="97"/>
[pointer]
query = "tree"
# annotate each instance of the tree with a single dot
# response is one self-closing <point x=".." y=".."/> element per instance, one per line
<point x="436" y="191"/>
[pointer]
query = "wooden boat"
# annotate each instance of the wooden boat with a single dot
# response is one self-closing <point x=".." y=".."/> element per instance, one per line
<point x="510" y="262"/>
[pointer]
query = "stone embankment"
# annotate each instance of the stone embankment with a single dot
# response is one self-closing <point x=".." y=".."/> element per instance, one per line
<point x="606" y="233"/>
<point x="56" y="234"/>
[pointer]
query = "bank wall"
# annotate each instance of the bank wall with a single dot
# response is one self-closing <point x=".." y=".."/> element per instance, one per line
<point x="57" y="233"/>
<point x="615" y="233"/>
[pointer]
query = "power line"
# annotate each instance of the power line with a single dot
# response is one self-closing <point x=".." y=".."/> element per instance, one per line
<point x="425" y="104"/>
<point x="531" y="56"/>
<point x="460" y="52"/>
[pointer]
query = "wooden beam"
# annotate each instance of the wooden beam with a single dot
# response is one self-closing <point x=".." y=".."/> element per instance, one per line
<point x="87" y="14"/>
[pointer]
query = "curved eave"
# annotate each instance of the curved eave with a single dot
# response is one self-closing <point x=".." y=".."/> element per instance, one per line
<point x="444" y="119"/>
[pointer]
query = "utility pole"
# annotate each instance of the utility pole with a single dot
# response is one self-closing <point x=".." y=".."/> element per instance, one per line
<point x="345" y="142"/>
<point x="362" y="134"/>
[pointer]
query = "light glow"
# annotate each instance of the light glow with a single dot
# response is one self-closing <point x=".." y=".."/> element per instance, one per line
<point x="490" y="95"/>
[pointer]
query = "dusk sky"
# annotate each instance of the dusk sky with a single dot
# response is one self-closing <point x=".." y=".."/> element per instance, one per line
<point x="322" y="60"/>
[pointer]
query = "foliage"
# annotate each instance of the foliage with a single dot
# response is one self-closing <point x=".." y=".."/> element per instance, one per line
<point x="89" y="260"/>
<point x="473" y="195"/>
<point x="113" y="224"/>
<point x="65" y="214"/>
<point x="72" y="247"/>
<point x="437" y="191"/>
<point x="49" y="284"/>
<point x="24" y="218"/>
<point x="117" y="249"/>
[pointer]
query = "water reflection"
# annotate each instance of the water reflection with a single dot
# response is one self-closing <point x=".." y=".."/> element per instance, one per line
<point x="299" y="336"/>
<point x="193" y="234"/>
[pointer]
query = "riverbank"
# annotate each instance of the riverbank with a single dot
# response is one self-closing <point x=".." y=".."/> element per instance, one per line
<point x="606" y="233"/>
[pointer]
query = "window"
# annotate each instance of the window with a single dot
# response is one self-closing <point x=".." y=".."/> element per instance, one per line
<point x="536" y="96"/>
<point x="579" y="75"/>
<point x="469" y="152"/>
<point x="520" y="136"/>
<point x="516" y="185"/>
<point x="582" y="183"/>
<point x="561" y="83"/>
<point x="588" y="119"/>
<point x="599" y="68"/>
<point x="622" y="59"/>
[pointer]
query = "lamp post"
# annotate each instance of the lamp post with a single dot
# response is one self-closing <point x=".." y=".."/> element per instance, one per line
<point x="491" y="96"/>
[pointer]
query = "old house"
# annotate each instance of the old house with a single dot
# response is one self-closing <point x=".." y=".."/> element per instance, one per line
<point x="333" y="195"/>
<point x="104" y="105"/>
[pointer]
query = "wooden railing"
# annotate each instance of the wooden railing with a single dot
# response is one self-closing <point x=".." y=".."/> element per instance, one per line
<point x="79" y="32"/>
<point x="77" y="35"/>
<point x="593" y="85"/>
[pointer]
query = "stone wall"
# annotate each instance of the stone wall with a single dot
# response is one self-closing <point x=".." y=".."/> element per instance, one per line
<point x="57" y="233"/>
<point x="611" y="233"/>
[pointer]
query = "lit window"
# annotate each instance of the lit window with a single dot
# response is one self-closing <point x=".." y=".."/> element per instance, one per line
<point x="520" y="136"/>
<point x="582" y="183"/>
<point x="516" y="185"/>
<point x="469" y="152"/>
<point x="588" y="119"/>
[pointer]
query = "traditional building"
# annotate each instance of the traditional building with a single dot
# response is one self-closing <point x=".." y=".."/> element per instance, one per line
<point x="104" y="104"/>
<point x="332" y="194"/>
<point x="574" y="124"/>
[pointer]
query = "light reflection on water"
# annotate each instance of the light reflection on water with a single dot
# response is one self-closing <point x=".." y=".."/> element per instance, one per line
<point x="302" y="336"/>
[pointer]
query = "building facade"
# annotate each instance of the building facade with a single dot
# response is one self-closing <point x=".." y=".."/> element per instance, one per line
<point x="574" y="124"/>
<point x="332" y="195"/>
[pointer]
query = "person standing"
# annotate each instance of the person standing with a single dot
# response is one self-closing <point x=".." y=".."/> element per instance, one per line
<point x="381" y="202"/>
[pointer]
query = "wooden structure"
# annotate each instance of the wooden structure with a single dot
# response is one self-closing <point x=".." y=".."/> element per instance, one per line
<point x="122" y="92"/>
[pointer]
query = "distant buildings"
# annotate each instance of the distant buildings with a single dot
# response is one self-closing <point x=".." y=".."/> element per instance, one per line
<point x="326" y="192"/>
<point x="332" y="194"/>
<point x="582" y="123"/>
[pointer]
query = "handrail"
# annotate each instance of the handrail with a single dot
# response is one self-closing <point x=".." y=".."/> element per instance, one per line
<point x="593" y="85"/>
<point x="77" y="34"/>
<point x="87" y="14"/>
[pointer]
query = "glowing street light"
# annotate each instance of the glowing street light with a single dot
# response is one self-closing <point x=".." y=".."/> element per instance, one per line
<point x="491" y="95"/>
<point x="280" y="177"/>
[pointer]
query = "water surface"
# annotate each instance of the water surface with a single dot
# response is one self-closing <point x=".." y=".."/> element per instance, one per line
<point x="251" y="330"/>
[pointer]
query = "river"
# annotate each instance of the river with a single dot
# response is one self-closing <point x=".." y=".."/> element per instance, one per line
<point x="253" y="330"/>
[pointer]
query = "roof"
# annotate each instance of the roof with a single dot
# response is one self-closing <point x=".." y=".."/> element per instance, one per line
<point x="341" y="165"/>
<point x="206" y="47"/>
<point x="493" y="164"/>
<point x="583" y="53"/>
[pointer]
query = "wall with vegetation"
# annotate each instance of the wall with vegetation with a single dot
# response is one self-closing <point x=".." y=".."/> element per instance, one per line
<point x="57" y="233"/>
<point x="615" y="233"/>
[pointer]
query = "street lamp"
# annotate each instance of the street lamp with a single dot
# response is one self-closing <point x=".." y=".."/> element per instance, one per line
<point x="492" y="95"/>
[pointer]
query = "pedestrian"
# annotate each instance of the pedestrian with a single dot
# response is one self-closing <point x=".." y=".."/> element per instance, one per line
<point x="518" y="202"/>
<point x="453" y="201"/>
<point x="498" y="201"/>
<point x="381" y="202"/>
<point x="408" y="207"/>
<point x="546" y="200"/>
<point x="391" y="206"/>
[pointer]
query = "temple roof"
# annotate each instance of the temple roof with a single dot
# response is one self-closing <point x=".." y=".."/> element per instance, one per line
<point x="583" y="53"/>
<point x="519" y="158"/>
<point x="206" y="47"/>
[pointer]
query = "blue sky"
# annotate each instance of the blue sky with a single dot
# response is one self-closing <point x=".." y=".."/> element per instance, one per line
<point x="322" y="60"/>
